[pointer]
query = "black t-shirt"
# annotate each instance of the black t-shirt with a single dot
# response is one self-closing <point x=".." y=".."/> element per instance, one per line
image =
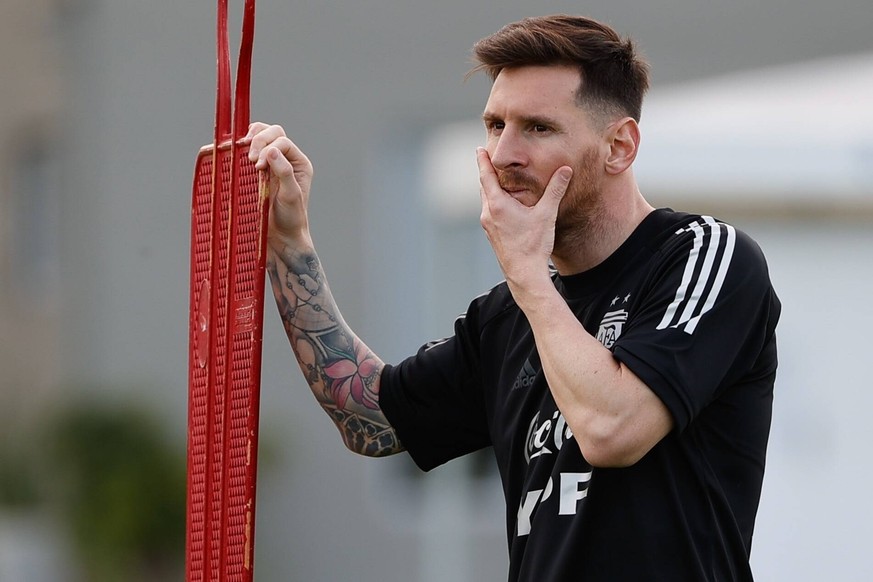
<point x="687" y="304"/>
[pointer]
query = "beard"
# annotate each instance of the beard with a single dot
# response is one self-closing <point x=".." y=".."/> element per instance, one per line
<point x="581" y="205"/>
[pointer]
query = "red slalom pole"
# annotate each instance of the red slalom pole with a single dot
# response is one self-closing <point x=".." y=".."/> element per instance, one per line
<point x="228" y="256"/>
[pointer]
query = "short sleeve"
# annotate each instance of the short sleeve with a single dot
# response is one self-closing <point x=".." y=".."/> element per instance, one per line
<point x="704" y="318"/>
<point x="434" y="399"/>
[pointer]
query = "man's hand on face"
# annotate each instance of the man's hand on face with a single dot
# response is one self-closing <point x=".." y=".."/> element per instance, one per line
<point x="522" y="237"/>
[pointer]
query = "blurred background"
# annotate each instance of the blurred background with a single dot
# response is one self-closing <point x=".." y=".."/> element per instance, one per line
<point x="760" y="113"/>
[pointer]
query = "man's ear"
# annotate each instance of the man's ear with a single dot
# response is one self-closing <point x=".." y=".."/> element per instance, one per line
<point x="624" y="142"/>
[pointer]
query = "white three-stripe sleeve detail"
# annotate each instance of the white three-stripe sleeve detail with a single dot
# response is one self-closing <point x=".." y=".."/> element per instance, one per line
<point x="705" y="272"/>
<point x="727" y="255"/>
<point x="686" y="276"/>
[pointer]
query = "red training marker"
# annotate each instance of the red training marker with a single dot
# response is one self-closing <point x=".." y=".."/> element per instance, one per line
<point x="228" y="236"/>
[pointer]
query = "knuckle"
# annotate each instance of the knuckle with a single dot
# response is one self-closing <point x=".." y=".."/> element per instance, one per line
<point x="283" y="143"/>
<point x="258" y="142"/>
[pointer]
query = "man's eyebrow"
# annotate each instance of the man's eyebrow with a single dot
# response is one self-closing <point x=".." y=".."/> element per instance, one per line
<point x="525" y="119"/>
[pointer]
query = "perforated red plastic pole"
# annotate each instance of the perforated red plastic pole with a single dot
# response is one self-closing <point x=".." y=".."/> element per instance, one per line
<point x="228" y="234"/>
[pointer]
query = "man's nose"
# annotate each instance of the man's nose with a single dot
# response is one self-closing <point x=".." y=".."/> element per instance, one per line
<point x="508" y="151"/>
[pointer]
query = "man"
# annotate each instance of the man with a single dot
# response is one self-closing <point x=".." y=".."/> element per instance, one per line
<point x="626" y="392"/>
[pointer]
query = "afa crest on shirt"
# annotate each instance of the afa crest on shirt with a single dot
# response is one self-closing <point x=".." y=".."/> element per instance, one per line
<point x="611" y="326"/>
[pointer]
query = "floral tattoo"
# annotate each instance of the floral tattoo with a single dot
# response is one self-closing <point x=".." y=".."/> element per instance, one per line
<point x="340" y="369"/>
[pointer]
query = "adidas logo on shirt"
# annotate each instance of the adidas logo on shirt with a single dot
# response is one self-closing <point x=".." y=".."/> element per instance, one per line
<point x="525" y="377"/>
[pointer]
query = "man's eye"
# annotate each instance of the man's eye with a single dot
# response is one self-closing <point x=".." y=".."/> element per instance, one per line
<point x="540" y="128"/>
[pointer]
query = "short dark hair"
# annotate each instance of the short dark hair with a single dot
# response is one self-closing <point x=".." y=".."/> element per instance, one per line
<point x="614" y="77"/>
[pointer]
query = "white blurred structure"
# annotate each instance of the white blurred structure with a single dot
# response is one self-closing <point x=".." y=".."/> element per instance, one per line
<point x="789" y="139"/>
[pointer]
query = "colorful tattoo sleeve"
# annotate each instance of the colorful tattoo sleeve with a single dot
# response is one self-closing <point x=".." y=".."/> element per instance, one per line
<point x="341" y="370"/>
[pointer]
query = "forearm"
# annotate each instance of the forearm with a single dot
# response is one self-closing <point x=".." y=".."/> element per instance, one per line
<point x="342" y="372"/>
<point x="614" y="416"/>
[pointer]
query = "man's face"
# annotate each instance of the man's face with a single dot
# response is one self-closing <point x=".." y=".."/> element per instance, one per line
<point x="534" y="126"/>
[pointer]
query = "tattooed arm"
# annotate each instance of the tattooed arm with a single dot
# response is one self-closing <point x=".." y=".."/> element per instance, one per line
<point x="342" y="372"/>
